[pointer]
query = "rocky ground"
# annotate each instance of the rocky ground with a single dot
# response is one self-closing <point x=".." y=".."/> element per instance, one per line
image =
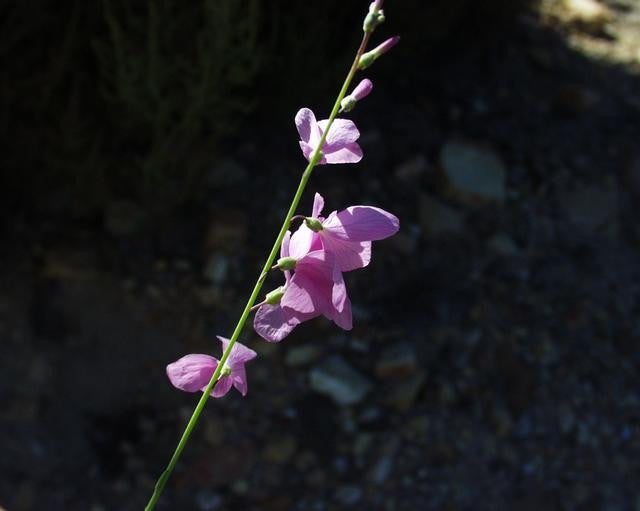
<point x="494" y="360"/>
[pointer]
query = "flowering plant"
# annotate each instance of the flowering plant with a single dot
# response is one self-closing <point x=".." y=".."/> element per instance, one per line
<point x="312" y="258"/>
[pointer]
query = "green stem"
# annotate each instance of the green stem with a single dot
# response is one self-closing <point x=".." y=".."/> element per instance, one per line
<point x="315" y="157"/>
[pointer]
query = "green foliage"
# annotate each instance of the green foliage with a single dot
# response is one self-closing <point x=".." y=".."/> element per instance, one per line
<point x="176" y="74"/>
<point x="121" y="99"/>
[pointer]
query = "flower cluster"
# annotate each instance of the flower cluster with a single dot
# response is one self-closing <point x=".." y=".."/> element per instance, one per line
<point x="314" y="257"/>
<point x="318" y="253"/>
<point x="312" y="260"/>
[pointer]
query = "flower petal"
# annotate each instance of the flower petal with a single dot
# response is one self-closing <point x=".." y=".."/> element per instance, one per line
<point x="310" y="288"/>
<point x="339" y="290"/>
<point x="301" y="242"/>
<point x="318" y="205"/>
<point x="361" y="223"/>
<point x="284" y="246"/>
<point x="239" y="353"/>
<point x="349" y="255"/>
<point x="362" y="90"/>
<point x="306" y="124"/>
<point x="239" y="378"/>
<point x="192" y="372"/>
<point x="306" y="295"/>
<point x="284" y="252"/>
<point x="273" y="323"/>
<point x="316" y="244"/>
<point x="221" y="387"/>
<point x="351" y="153"/>
<point x="344" y="318"/>
<point x="342" y="132"/>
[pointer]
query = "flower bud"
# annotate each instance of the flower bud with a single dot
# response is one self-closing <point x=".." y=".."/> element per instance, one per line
<point x="286" y="263"/>
<point x="362" y="90"/>
<point x="370" y="57"/>
<point x="313" y="223"/>
<point x="274" y="297"/>
<point x="374" y="17"/>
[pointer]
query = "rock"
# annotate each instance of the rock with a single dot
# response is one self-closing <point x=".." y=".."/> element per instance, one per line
<point x="207" y="500"/>
<point x="302" y="355"/>
<point x="397" y="361"/>
<point x="473" y="174"/>
<point x="338" y="380"/>
<point x="348" y="494"/>
<point x="589" y="15"/>
<point x="217" y="268"/>
<point x="381" y="470"/>
<point x="438" y="218"/>
<point x="280" y="450"/>
<point x="412" y="169"/>
<point x="371" y="415"/>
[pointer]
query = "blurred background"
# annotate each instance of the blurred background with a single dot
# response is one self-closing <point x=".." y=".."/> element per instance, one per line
<point x="148" y="156"/>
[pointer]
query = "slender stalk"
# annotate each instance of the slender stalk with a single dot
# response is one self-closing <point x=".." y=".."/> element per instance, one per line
<point x="315" y="157"/>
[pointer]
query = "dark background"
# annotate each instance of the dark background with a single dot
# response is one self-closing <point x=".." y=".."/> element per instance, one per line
<point x="149" y="153"/>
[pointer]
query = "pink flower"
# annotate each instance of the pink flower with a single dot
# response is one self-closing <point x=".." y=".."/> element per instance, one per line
<point x="193" y="372"/>
<point x="371" y="56"/>
<point x="340" y="145"/>
<point x="362" y="90"/>
<point x="316" y="288"/>
<point x="346" y="234"/>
